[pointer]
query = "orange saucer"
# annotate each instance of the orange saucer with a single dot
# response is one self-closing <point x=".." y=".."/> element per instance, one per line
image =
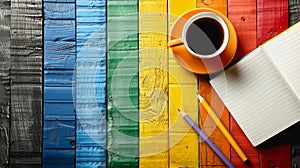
<point x="196" y="64"/>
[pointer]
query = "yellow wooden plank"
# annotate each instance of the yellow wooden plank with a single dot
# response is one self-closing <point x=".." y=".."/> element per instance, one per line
<point x="183" y="139"/>
<point x="153" y="84"/>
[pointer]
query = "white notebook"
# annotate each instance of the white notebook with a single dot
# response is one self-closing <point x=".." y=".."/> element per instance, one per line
<point x="262" y="91"/>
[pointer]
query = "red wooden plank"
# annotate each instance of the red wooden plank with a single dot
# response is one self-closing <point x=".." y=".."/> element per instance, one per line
<point x="243" y="16"/>
<point x="272" y="19"/>
<point x="276" y="156"/>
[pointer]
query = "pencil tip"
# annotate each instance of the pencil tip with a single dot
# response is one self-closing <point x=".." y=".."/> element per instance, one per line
<point x="200" y="97"/>
<point x="247" y="162"/>
<point x="178" y="110"/>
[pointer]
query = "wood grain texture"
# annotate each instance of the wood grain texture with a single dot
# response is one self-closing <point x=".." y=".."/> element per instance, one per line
<point x="219" y="5"/>
<point x="207" y="156"/>
<point x="294" y="17"/>
<point x="183" y="140"/>
<point x="59" y="60"/>
<point x="4" y="82"/>
<point x="122" y="89"/>
<point x="276" y="156"/>
<point x="153" y="84"/>
<point x="26" y="83"/>
<point x="295" y="148"/>
<point x="294" y="11"/>
<point x="243" y="16"/>
<point x="272" y="19"/>
<point x="91" y="83"/>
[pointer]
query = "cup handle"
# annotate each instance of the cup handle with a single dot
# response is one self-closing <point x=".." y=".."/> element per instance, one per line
<point x="175" y="42"/>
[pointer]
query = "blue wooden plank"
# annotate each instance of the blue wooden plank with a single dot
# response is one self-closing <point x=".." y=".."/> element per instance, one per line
<point x="57" y="1"/>
<point x="59" y="66"/>
<point x="59" y="44"/>
<point x="59" y="78"/>
<point x="58" y="94"/>
<point x="59" y="111"/>
<point x="55" y="10"/>
<point x="59" y="134"/>
<point x="90" y="84"/>
<point x="63" y="158"/>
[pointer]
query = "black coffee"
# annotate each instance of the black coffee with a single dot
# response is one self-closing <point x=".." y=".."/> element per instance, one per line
<point x="204" y="36"/>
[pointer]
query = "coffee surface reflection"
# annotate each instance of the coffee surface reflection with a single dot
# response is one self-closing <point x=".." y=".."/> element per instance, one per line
<point x="204" y="36"/>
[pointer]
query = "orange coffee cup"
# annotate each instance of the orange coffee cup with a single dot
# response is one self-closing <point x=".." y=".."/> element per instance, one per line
<point x="203" y="41"/>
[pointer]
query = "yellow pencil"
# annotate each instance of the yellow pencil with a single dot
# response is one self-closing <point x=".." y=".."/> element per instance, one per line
<point x="222" y="128"/>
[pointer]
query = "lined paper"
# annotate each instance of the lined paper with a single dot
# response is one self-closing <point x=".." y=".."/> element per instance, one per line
<point x="284" y="51"/>
<point x="256" y="90"/>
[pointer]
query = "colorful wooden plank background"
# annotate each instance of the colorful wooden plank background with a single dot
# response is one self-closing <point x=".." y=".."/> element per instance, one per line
<point x="92" y="84"/>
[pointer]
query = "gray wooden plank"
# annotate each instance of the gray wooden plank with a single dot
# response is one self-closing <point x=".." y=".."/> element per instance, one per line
<point x="4" y="81"/>
<point x="294" y="14"/>
<point x="26" y="83"/>
<point x="294" y="11"/>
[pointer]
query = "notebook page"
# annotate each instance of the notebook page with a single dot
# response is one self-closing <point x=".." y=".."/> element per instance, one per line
<point x="284" y="50"/>
<point x="258" y="97"/>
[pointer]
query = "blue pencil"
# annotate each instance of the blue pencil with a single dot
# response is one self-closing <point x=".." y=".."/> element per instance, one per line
<point x="206" y="139"/>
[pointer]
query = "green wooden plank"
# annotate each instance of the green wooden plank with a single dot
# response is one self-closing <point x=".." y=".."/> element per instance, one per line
<point x="122" y="91"/>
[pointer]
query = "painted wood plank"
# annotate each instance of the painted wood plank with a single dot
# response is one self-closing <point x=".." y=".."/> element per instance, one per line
<point x="4" y="82"/>
<point x="207" y="156"/>
<point x="294" y="11"/>
<point x="272" y="19"/>
<point x="220" y="5"/>
<point x="276" y="156"/>
<point x="243" y="16"/>
<point x="183" y="140"/>
<point x="59" y="123"/>
<point x="294" y="17"/>
<point x="59" y="64"/>
<point x="59" y="10"/>
<point x="26" y="83"/>
<point x="295" y="155"/>
<point x="91" y="83"/>
<point x="59" y="43"/>
<point x="153" y="84"/>
<point x="122" y="95"/>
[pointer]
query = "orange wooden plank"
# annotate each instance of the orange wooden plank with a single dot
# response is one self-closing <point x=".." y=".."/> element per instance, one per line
<point x="207" y="157"/>
<point x="243" y="16"/>
<point x="220" y="5"/>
